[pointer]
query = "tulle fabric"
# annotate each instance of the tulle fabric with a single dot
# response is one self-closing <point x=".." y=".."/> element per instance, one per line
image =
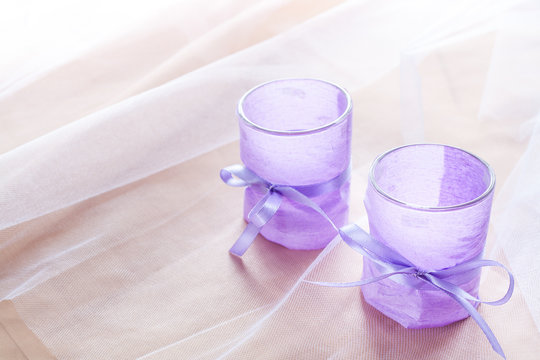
<point x="114" y="223"/>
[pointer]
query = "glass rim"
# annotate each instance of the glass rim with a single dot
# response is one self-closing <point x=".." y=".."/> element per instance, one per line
<point x="469" y="203"/>
<point x="334" y="122"/>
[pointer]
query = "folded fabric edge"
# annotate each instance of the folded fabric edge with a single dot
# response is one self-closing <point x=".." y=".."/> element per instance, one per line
<point x="18" y="341"/>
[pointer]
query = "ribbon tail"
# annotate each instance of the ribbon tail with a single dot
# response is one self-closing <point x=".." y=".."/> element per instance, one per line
<point x="357" y="283"/>
<point x="298" y="197"/>
<point x="480" y="321"/>
<point x="362" y="242"/>
<point x="261" y="213"/>
<point x="245" y="240"/>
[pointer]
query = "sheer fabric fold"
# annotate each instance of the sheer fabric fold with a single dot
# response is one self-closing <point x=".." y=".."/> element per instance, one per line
<point x="115" y="226"/>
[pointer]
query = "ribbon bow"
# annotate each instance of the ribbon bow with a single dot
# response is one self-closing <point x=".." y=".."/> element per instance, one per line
<point x="262" y="212"/>
<point x="392" y="264"/>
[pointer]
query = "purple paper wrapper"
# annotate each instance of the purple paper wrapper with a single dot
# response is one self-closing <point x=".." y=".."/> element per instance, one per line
<point x="298" y="132"/>
<point x="431" y="203"/>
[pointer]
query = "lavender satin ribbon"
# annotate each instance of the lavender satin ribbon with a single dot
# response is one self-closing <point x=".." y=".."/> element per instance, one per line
<point x="391" y="263"/>
<point x="262" y="212"/>
<point x="388" y="261"/>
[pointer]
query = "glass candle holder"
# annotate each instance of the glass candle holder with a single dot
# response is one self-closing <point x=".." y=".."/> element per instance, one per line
<point x="298" y="132"/>
<point x="431" y="203"/>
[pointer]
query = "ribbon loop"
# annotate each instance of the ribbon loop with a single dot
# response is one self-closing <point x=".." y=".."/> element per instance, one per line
<point x="239" y="176"/>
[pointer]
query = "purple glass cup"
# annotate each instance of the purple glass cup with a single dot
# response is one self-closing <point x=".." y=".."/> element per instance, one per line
<point x="431" y="203"/>
<point x="298" y="132"/>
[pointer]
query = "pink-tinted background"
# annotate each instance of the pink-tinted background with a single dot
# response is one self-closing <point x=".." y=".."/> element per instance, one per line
<point x="115" y="226"/>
